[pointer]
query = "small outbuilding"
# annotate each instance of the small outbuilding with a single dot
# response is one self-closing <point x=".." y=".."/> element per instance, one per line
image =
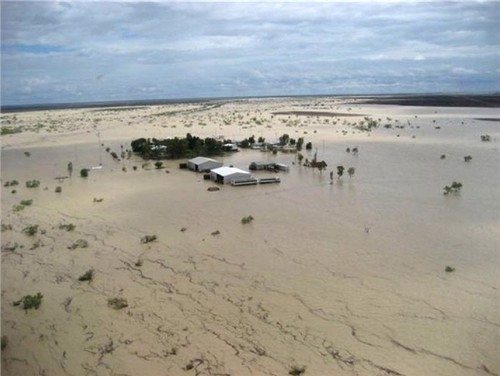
<point x="226" y="175"/>
<point x="261" y="166"/>
<point x="202" y="164"/>
<point x="230" y="147"/>
<point x="270" y="166"/>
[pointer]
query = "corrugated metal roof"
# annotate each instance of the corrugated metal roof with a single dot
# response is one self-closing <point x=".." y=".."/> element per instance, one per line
<point x="225" y="171"/>
<point x="199" y="160"/>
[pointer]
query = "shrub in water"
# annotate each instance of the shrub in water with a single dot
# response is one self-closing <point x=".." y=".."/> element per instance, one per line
<point x="80" y="243"/>
<point x="32" y="183"/>
<point x="246" y="220"/>
<point x="30" y="301"/>
<point x="117" y="303"/>
<point x="485" y="138"/>
<point x="454" y="188"/>
<point x="67" y="227"/>
<point x="148" y="239"/>
<point x="11" y="183"/>
<point x="30" y="230"/>
<point x="297" y="371"/>
<point x="351" y="171"/>
<point x="87" y="276"/>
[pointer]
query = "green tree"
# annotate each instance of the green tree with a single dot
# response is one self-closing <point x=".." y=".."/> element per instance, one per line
<point x="212" y="146"/>
<point x="30" y="301"/>
<point x="283" y="140"/>
<point x="138" y="146"/>
<point x="247" y="219"/>
<point x="193" y="141"/>
<point x="300" y="142"/>
<point x="177" y="147"/>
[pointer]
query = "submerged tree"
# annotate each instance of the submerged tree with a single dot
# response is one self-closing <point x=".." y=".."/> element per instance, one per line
<point x="485" y="138"/>
<point x="454" y="188"/>
<point x="300" y="142"/>
<point x="351" y="171"/>
<point x="30" y="301"/>
<point x="283" y="140"/>
<point x="340" y="171"/>
<point x="247" y="219"/>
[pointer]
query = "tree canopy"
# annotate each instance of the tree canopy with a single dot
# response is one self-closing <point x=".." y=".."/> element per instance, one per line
<point x="175" y="148"/>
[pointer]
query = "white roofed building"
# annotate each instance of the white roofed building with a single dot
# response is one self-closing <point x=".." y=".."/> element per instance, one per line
<point x="226" y="175"/>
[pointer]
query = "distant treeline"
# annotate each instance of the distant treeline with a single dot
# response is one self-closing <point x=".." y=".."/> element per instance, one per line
<point x="175" y="148"/>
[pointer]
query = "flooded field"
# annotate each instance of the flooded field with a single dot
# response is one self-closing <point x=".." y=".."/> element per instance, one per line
<point x="343" y="275"/>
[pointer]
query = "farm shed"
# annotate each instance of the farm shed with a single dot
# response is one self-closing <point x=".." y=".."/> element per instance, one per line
<point x="226" y="175"/>
<point x="202" y="164"/>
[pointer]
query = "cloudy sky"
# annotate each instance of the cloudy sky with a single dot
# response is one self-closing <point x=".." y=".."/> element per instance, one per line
<point x="80" y="51"/>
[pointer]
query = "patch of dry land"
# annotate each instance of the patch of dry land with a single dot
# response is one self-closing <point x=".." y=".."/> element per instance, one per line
<point x="375" y="274"/>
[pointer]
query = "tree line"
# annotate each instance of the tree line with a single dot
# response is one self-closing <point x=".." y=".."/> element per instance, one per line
<point x="175" y="148"/>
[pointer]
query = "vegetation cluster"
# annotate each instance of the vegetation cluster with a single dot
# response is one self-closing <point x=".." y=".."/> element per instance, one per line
<point x="11" y="130"/>
<point x="247" y="219"/>
<point x="11" y="183"/>
<point x="485" y="138"/>
<point x="80" y="243"/>
<point x="22" y="205"/>
<point x="117" y="303"/>
<point x="368" y="124"/>
<point x="30" y="230"/>
<point x="148" y="239"/>
<point x="455" y="187"/>
<point x="30" y="301"/>
<point x="67" y="226"/>
<point x="32" y="183"/>
<point x="175" y="148"/>
<point x="87" y="276"/>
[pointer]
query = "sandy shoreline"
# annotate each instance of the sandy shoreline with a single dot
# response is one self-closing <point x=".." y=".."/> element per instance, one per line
<point x="345" y="278"/>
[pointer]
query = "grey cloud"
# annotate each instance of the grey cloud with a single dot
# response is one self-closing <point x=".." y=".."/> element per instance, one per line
<point x="167" y="49"/>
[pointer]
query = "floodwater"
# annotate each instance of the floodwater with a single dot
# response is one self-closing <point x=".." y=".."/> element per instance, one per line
<point x="344" y="276"/>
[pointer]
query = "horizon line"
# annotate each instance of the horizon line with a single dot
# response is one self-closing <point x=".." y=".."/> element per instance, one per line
<point x="158" y="101"/>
